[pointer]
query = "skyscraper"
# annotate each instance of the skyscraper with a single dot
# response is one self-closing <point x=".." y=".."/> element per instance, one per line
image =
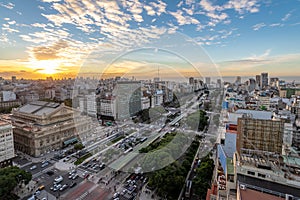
<point x="128" y="95"/>
<point x="258" y="78"/>
<point x="264" y="80"/>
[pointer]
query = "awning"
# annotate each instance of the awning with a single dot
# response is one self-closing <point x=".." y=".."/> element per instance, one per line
<point x="70" y="141"/>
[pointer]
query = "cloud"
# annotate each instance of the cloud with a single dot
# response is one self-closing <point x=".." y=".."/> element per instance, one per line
<point x="183" y="20"/>
<point x="256" y="27"/>
<point x="7" y="5"/>
<point x="286" y="17"/>
<point x="49" y="52"/>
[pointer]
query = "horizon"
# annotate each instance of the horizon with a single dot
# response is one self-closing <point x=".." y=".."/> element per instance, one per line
<point x="64" y="38"/>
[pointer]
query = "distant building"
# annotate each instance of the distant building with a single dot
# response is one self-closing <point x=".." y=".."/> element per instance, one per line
<point x="207" y="80"/>
<point x="13" y="79"/>
<point x="6" y="144"/>
<point x="7" y="96"/>
<point x="91" y="105"/>
<point x="43" y="126"/>
<point x="273" y="81"/>
<point x="238" y="80"/>
<point x="264" y="80"/>
<point x="251" y="84"/>
<point x="258" y="80"/>
<point x="191" y="80"/>
<point x="128" y="94"/>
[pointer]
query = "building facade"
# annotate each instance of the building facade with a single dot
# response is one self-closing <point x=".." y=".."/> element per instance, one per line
<point x="43" y="126"/>
<point x="260" y="134"/>
<point x="6" y="144"/>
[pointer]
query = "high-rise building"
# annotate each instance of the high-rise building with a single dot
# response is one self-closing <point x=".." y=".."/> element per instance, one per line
<point x="259" y="134"/>
<point x="258" y="79"/>
<point x="238" y="80"/>
<point x="207" y="80"/>
<point x="13" y="79"/>
<point x="191" y="80"/>
<point x="264" y="80"/>
<point x="128" y="95"/>
<point x="273" y="81"/>
<point x="251" y="85"/>
<point x="6" y="144"/>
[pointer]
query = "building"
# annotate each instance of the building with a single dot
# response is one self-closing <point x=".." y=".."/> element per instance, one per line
<point x="6" y="144"/>
<point x="238" y="80"/>
<point x="91" y="105"/>
<point x="7" y="96"/>
<point x="43" y="126"/>
<point x="108" y="108"/>
<point x="13" y="79"/>
<point x="207" y="80"/>
<point x="251" y="84"/>
<point x="273" y="81"/>
<point x="264" y="80"/>
<point x="258" y="80"/>
<point x="191" y="80"/>
<point x="128" y="94"/>
<point x="259" y="134"/>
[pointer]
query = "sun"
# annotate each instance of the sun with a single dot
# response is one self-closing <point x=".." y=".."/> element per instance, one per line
<point x="47" y="67"/>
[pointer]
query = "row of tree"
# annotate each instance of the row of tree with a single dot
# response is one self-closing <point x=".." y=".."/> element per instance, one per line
<point x="169" y="180"/>
<point x="204" y="173"/>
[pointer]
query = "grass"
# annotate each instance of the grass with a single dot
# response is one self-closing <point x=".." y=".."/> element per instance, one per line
<point x="81" y="159"/>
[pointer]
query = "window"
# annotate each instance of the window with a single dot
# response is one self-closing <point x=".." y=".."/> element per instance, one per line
<point x="251" y="173"/>
<point x="261" y="175"/>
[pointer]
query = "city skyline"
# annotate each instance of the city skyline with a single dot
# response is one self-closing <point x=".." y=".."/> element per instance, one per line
<point x="65" y="39"/>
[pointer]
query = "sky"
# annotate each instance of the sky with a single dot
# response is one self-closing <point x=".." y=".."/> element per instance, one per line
<point x="67" y="38"/>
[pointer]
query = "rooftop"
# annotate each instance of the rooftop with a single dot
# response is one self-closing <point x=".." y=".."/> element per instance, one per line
<point x="249" y="194"/>
<point x="39" y="108"/>
<point x="256" y="114"/>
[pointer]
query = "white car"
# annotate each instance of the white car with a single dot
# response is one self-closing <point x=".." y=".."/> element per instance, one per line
<point x="33" y="167"/>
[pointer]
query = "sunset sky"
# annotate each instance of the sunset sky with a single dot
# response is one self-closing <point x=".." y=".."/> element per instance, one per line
<point x="60" y="38"/>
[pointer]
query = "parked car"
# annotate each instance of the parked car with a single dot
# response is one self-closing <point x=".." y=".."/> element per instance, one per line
<point x="45" y="164"/>
<point x="73" y="184"/>
<point x="33" y="167"/>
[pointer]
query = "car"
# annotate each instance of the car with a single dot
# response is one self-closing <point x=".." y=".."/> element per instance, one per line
<point x="71" y="176"/>
<point x="73" y="184"/>
<point x="45" y="164"/>
<point x="75" y="176"/>
<point x="37" y="193"/>
<point x="72" y="172"/>
<point x="58" y="179"/>
<point x="41" y="187"/>
<point x="57" y="187"/>
<point x="116" y="194"/>
<point x="33" y="167"/>
<point x="87" y="175"/>
<point x="63" y="187"/>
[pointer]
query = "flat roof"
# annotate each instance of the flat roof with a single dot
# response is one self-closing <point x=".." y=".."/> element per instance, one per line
<point x="39" y="108"/>
<point x="3" y="123"/>
<point x="256" y="114"/>
<point x="249" y="194"/>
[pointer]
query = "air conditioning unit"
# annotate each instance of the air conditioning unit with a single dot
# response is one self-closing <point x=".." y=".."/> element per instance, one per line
<point x="289" y="197"/>
<point x="242" y="187"/>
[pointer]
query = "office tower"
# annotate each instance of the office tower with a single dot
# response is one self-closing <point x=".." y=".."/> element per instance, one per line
<point x="191" y="80"/>
<point x="238" y="80"/>
<point x="13" y="79"/>
<point x="251" y="84"/>
<point x="264" y="80"/>
<point x="128" y="95"/>
<point x="258" y="79"/>
<point x="6" y="144"/>
<point x="207" y="80"/>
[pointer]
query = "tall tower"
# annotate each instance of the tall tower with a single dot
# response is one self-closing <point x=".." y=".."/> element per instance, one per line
<point x="264" y="80"/>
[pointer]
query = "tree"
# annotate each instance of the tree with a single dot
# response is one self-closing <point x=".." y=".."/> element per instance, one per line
<point x="10" y="177"/>
<point x="78" y="146"/>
